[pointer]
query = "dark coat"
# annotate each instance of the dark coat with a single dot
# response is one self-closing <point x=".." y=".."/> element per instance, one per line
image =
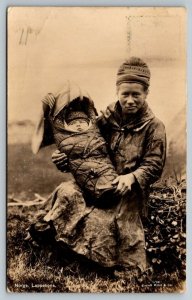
<point x="137" y="147"/>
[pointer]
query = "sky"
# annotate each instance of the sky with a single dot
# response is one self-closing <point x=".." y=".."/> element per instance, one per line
<point x="49" y="45"/>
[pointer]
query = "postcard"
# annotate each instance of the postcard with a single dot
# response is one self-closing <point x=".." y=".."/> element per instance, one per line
<point x="96" y="128"/>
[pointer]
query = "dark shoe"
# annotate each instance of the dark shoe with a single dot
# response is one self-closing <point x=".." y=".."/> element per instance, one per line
<point x="43" y="232"/>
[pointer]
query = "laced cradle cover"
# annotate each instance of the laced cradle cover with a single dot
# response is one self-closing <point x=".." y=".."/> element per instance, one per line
<point x="89" y="161"/>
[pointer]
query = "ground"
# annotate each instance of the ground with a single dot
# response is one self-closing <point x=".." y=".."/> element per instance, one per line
<point x="34" y="269"/>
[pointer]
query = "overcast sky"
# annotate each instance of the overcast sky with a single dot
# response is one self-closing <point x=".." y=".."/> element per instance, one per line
<point x="47" y="46"/>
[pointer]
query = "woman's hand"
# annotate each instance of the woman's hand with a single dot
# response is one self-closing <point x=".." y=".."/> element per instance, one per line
<point x="124" y="183"/>
<point x="60" y="160"/>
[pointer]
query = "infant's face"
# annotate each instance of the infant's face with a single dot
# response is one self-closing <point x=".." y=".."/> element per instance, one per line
<point x="78" y="125"/>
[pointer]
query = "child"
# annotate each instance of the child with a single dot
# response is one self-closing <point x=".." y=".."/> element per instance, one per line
<point x="77" y="121"/>
<point x="71" y="118"/>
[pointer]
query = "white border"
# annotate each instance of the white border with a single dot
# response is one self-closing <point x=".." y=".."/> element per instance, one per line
<point x="3" y="6"/>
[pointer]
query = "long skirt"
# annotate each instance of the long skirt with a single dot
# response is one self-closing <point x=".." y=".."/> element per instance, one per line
<point x="111" y="235"/>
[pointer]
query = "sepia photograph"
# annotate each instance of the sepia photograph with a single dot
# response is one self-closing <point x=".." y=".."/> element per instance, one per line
<point x="96" y="149"/>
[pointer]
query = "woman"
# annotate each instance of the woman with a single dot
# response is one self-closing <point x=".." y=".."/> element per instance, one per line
<point x="114" y="236"/>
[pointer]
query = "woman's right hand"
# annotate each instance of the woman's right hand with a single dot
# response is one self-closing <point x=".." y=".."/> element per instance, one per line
<point x="60" y="160"/>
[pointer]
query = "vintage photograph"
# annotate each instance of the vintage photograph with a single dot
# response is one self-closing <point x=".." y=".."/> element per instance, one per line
<point x="96" y="149"/>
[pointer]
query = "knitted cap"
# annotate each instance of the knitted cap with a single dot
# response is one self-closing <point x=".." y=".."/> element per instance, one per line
<point x="74" y="115"/>
<point x="134" y="70"/>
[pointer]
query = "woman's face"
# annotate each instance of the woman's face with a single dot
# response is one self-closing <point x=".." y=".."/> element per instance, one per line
<point x="131" y="97"/>
<point x="78" y="125"/>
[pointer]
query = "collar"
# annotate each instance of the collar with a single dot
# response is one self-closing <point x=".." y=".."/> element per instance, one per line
<point x="113" y="115"/>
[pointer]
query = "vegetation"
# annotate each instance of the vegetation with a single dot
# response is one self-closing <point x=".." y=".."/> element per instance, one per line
<point x="31" y="268"/>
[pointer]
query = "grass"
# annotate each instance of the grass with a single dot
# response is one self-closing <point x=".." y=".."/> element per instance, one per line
<point x="34" y="269"/>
